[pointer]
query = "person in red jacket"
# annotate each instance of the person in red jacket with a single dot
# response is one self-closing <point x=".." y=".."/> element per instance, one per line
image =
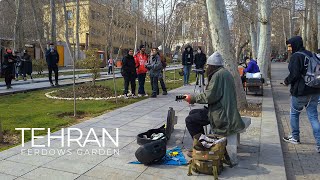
<point x="141" y="59"/>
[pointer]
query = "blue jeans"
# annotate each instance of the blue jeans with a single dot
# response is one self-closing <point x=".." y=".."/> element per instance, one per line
<point x="186" y="73"/>
<point x="154" y="85"/>
<point x="141" y="80"/>
<point x="311" y="104"/>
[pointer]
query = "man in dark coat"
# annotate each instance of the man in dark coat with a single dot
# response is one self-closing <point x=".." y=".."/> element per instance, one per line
<point x="129" y="73"/>
<point x="27" y="65"/>
<point x="52" y="58"/>
<point x="8" y="67"/>
<point x="187" y="61"/>
<point x="301" y="94"/>
<point x="200" y="60"/>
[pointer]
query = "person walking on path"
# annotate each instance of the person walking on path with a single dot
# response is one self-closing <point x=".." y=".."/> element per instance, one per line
<point x="129" y="73"/>
<point x="27" y="65"/>
<point x="200" y="60"/>
<point x="52" y="58"/>
<point x="8" y="67"/>
<point x="301" y="94"/>
<point x="141" y="59"/>
<point x="187" y="62"/>
<point x="154" y="66"/>
<point x="162" y="83"/>
<point x="110" y="65"/>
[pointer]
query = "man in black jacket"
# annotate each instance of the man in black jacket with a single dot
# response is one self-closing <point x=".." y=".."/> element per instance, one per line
<point x="200" y="60"/>
<point x="129" y="73"/>
<point x="187" y="61"/>
<point x="301" y="94"/>
<point x="52" y="58"/>
<point x="8" y="67"/>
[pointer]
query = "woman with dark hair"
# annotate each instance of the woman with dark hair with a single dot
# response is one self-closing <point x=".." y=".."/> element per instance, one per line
<point x="8" y="67"/>
<point x="27" y="65"/>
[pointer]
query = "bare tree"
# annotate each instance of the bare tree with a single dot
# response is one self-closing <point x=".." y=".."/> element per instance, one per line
<point x="53" y="20"/>
<point x="220" y="35"/>
<point x="264" y="36"/>
<point x="17" y="26"/>
<point x="77" y="29"/>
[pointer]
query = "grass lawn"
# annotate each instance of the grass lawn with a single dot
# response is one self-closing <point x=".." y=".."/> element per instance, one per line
<point x="34" y="110"/>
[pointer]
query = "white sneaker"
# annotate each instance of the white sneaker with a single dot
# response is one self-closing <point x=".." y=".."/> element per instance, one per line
<point x="133" y="96"/>
<point x="291" y="140"/>
<point x="140" y="95"/>
<point x="318" y="149"/>
<point x="125" y="96"/>
<point x="146" y="95"/>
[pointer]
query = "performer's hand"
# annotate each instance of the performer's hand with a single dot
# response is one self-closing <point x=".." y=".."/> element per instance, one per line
<point x="188" y="98"/>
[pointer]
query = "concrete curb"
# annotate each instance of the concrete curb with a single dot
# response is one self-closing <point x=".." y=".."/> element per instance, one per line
<point x="271" y="155"/>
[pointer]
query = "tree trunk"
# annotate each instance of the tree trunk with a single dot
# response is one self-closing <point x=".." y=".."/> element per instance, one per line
<point x="253" y="37"/>
<point x="220" y="34"/>
<point x="1" y="133"/>
<point x="77" y="30"/>
<point x="318" y="23"/>
<point x="53" y="21"/>
<point x="284" y="30"/>
<point x="291" y="21"/>
<point x="72" y="58"/>
<point x="17" y="26"/>
<point x="39" y="37"/>
<point x="309" y="28"/>
<point x="314" y="38"/>
<point x="264" y="37"/>
<point x="304" y="23"/>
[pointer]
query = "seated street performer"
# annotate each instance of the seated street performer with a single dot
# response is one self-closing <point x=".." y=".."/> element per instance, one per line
<point x="220" y="96"/>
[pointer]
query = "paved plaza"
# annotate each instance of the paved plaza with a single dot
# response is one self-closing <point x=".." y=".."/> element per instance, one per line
<point x="260" y="155"/>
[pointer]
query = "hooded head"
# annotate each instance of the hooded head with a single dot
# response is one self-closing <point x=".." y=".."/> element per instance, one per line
<point x="296" y="43"/>
<point x="189" y="48"/>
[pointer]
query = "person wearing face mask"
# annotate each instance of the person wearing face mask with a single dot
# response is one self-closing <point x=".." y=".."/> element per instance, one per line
<point x="220" y="96"/>
<point x="187" y="62"/>
<point x="8" y="67"/>
<point x="52" y="58"/>
<point x="200" y="61"/>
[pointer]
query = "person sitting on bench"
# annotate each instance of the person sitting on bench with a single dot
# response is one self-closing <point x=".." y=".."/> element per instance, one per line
<point x="220" y="95"/>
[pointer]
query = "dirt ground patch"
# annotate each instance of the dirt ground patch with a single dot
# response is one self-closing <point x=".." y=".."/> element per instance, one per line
<point x="253" y="110"/>
<point x="86" y="91"/>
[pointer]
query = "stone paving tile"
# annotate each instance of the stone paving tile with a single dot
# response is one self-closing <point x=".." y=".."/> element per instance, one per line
<point x="36" y="160"/>
<point x="49" y="174"/>
<point x="15" y="169"/>
<point x="71" y="166"/>
<point x="7" y="177"/>
<point x="90" y="178"/>
<point x="111" y="173"/>
<point x="145" y="176"/>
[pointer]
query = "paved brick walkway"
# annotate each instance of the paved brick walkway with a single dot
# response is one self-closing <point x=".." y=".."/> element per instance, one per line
<point x="301" y="161"/>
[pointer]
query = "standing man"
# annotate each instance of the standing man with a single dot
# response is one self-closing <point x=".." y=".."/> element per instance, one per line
<point x="129" y="74"/>
<point x="187" y="61"/>
<point x="154" y="66"/>
<point x="52" y="58"/>
<point x="141" y="59"/>
<point x="301" y="94"/>
<point x="161" y="80"/>
<point x="200" y="60"/>
<point x="8" y="67"/>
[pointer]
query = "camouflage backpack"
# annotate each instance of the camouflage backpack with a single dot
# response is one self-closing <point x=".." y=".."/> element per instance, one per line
<point x="209" y="161"/>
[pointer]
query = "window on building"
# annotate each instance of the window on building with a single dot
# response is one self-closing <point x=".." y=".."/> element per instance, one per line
<point x="69" y="15"/>
<point x="92" y="14"/>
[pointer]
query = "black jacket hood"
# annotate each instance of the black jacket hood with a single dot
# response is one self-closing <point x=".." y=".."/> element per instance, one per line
<point x="191" y="50"/>
<point x="296" y="43"/>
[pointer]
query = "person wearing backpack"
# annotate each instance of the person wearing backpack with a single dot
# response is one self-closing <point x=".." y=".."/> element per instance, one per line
<point x="302" y="95"/>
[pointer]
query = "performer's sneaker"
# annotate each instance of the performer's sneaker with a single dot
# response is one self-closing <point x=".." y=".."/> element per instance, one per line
<point x="291" y="140"/>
